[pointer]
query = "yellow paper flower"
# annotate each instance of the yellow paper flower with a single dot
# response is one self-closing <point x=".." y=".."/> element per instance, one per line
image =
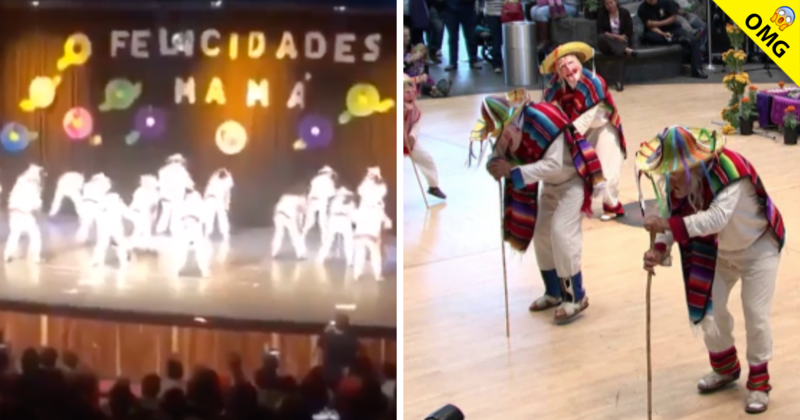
<point x="728" y="129"/>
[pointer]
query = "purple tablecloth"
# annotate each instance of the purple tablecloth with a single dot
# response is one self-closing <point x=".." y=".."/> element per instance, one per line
<point x="764" y="106"/>
<point x="779" y="105"/>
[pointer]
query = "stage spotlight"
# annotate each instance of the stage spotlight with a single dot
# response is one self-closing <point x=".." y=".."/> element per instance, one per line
<point x="448" y="412"/>
<point x="216" y="3"/>
<point x="35" y="3"/>
<point x="340" y="9"/>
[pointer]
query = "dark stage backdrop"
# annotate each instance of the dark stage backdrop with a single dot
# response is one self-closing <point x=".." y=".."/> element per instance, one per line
<point x="358" y="49"/>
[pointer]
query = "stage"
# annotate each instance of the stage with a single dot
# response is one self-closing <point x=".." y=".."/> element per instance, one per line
<point x="455" y="348"/>
<point x="247" y="289"/>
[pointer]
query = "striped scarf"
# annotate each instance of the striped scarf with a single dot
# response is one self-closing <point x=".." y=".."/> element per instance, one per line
<point x="699" y="255"/>
<point x="542" y="123"/>
<point x="590" y="91"/>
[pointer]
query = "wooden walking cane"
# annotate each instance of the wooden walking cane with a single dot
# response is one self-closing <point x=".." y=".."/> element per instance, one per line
<point x="503" y="250"/>
<point x="647" y="306"/>
<point x="416" y="174"/>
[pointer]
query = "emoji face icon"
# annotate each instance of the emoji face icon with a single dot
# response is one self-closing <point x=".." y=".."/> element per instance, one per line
<point x="783" y="17"/>
<point x="78" y="123"/>
<point x="120" y="94"/>
<point x="231" y="137"/>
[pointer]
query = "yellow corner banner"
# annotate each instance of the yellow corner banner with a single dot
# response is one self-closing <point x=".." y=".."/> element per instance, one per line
<point x="771" y="25"/>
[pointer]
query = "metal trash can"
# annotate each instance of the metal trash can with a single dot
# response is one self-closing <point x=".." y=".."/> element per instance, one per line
<point x="520" y="60"/>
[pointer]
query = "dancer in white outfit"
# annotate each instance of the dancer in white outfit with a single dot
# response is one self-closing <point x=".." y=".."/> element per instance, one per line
<point x="323" y="188"/>
<point x="218" y="203"/>
<point x="23" y="202"/>
<point x="371" y="220"/>
<point x="173" y="181"/>
<point x="145" y="208"/>
<point x="188" y="234"/>
<point x="585" y="99"/>
<point x="340" y="222"/>
<point x="94" y="191"/>
<point x="288" y="217"/>
<point x="411" y="146"/>
<point x="727" y="228"/>
<point x="68" y="187"/>
<point x="372" y="189"/>
<point x="111" y="230"/>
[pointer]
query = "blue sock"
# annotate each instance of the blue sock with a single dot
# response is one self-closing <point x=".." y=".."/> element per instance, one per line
<point x="552" y="286"/>
<point x="577" y="287"/>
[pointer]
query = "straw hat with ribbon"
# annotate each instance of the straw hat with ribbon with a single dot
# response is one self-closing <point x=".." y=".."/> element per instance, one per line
<point x="678" y="149"/>
<point x="583" y="51"/>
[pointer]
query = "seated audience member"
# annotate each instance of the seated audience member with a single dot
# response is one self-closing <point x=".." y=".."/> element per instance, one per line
<point x="174" y="376"/>
<point x="268" y="383"/>
<point x="541" y="14"/>
<point x="340" y="347"/>
<point x="121" y="401"/>
<point x="615" y="38"/>
<point x="415" y="59"/>
<point x="662" y="28"/>
<point x="70" y="361"/>
<point x="151" y="389"/>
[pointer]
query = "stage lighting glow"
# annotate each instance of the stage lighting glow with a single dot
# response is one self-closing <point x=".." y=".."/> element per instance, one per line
<point x="78" y="123"/>
<point x="120" y="94"/>
<point x="231" y="137"/>
<point x="315" y="131"/>
<point x="15" y="137"/>
<point x="363" y="100"/>
<point x="150" y="122"/>
<point x="41" y="93"/>
<point x="77" y="50"/>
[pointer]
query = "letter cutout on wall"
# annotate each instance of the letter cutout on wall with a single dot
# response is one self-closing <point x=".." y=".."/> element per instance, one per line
<point x="216" y="92"/>
<point x="41" y="93"/>
<point x="150" y="122"/>
<point x="257" y="93"/>
<point x="15" y="137"/>
<point x="314" y="132"/>
<point x="362" y="101"/>
<point x="120" y="95"/>
<point x="231" y="137"/>
<point x="77" y="50"/>
<point x="184" y="89"/>
<point x="78" y="123"/>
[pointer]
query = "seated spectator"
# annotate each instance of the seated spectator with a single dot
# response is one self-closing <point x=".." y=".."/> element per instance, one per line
<point x="615" y="38"/>
<point x="415" y="59"/>
<point x="541" y="14"/>
<point x="174" y="377"/>
<point x="151" y="389"/>
<point x="661" y="28"/>
<point x="339" y="346"/>
<point x="121" y="401"/>
<point x="70" y="361"/>
<point x="268" y="383"/>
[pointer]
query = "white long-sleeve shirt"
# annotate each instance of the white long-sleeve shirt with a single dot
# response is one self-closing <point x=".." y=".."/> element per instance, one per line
<point x="735" y="215"/>
<point x="555" y="167"/>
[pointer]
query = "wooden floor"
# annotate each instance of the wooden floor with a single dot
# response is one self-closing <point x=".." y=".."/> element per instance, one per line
<point x="455" y="349"/>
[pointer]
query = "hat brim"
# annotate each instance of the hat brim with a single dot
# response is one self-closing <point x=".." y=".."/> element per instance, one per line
<point x="583" y="51"/>
<point x="697" y="145"/>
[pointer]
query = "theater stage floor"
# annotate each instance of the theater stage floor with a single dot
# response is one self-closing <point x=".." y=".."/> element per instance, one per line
<point x="455" y="349"/>
<point x="247" y="289"/>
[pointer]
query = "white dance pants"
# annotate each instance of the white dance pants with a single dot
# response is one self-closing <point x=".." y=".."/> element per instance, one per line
<point x="605" y="140"/>
<point x="23" y="224"/>
<point x="426" y="165"/>
<point x="757" y="266"/>
<point x="558" y="239"/>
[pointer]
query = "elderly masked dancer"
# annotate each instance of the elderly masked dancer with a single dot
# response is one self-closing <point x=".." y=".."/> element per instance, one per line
<point x="584" y="97"/>
<point x="727" y="228"/>
<point x="411" y="146"/>
<point x="551" y="176"/>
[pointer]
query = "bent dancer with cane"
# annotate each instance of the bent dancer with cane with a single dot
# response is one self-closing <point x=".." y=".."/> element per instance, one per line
<point x="411" y="147"/>
<point x="727" y="228"/>
<point x="535" y="143"/>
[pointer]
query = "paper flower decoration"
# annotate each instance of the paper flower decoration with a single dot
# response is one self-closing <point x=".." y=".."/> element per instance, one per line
<point x="362" y="101"/>
<point x="120" y="95"/>
<point x="41" y="93"/>
<point x="315" y="131"/>
<point x="231" y="137"/>
<point x="77" y="50"/>
<point x="15" y="137"/>
<point x="150" y="122"/>
<point x="132" y="138"/>
<point x="96" y="140"/>
<point x="78" y="123"/>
